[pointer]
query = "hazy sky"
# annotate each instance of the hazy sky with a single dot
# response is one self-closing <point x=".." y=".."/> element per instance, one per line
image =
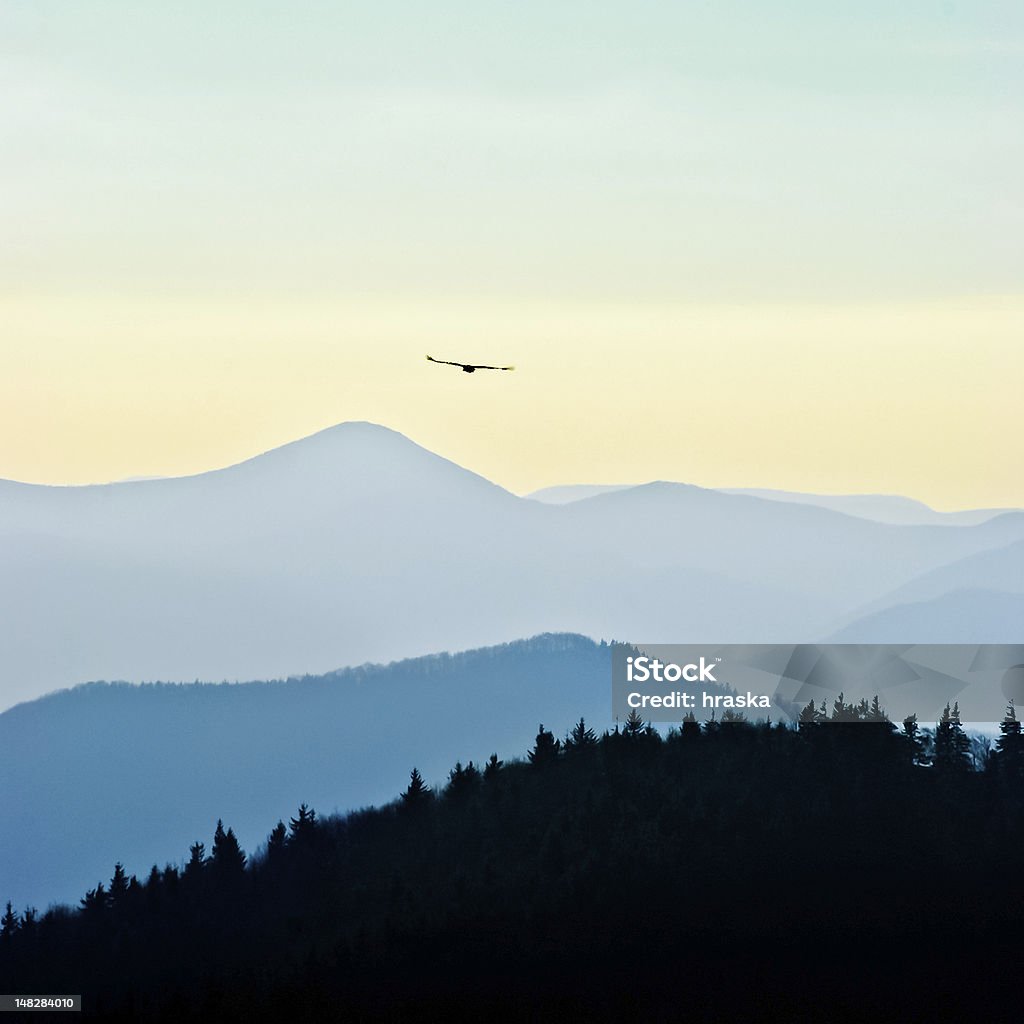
<point x="761" y="244"/>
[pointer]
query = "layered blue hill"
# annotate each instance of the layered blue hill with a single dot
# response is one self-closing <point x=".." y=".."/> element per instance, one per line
<point x="358" y="545"/>
<point x="119" y="772"/>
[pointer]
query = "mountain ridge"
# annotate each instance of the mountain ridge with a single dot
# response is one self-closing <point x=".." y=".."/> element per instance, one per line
<point x="356" y="544"/>
<point x="150" y="763"/>
<point x="891" y="509"/>
<point x="968" y="615"/>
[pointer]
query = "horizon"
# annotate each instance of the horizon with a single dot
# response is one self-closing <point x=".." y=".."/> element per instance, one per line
<point x="738" y="487"/>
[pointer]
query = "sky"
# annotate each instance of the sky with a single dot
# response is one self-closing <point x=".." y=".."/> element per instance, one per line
<point x="736" y="244"/>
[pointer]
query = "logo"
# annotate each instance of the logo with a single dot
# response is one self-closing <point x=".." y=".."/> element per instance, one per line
<point x="644" y="669"/>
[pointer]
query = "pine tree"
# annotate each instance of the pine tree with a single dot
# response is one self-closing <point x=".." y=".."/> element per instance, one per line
<point x="227" y="857"/>
<point x="118" y="892"/>
<point x="915" y="742"/>
<point x="303" y="827"/>
<point x="1009" y="755"/>
<point x="196" y="861"/>
<point x="843" y="712"/>
<point x="961" y="741"/>
<point x="8" y="923"/>
<point x="462" y="782"/>
<point x="492" y="768"/>
<point x="809" y="716"/>
<point x="634" y="727"/>
<point x="943" y="740"/>
<point x="276" y="842"/>
<point x="691" y="727"/>
<point x="952" y="746"/>
<point x="876" y="713"/>
<point x="94" y="903"/>
<point x="416" y="795"/>
<point x="581" y="738"/>
<point x="546" y="749"/>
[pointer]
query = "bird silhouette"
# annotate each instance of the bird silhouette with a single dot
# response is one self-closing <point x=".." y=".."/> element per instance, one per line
<point x="468" y="367"/>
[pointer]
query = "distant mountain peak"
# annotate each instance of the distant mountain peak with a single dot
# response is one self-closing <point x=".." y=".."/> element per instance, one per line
<point x="362" y="452"/>
<point x="349" y="436"/>
<point x="347" y="433"/>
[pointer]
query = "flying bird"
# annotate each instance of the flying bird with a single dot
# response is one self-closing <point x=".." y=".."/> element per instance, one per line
<point x="468" y="367"/>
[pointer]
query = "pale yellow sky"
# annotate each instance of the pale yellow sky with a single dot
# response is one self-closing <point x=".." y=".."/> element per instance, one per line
<point x="737" y="244"/>
<point x="918" y="399"/>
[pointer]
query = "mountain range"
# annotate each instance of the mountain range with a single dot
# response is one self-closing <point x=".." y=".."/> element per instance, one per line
<point x="881" y="508"/>
<point x="358" y="545"/>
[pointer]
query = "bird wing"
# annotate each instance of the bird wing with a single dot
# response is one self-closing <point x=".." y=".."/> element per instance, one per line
<point x="478" y="366"/>
<point x="446" y="362"/>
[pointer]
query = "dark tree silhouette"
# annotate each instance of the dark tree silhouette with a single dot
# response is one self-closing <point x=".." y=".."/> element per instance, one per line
<point x="416" y="795"/>
<point x="876" y="713"/>
<point x="634" y="727"/>
<point x="522" y="900"/>
<point x="545" y="750"/>
<point x="690" y="728"/>
<point x="733" y="717"/>
<point x="915" y="741"/>
<point x="462" y="782"/>
<point x="952" y="747"/>
<point x="491" y="769"/>
<point x="226" y="857"/>
<point x="302" y="828"/>
<point x="276" y="842"/>
<point x="117" y="895"/>
<point x="1008" y="758"/>
<point x="196" y="864"/>
<point x="581" y="738"/>
<point x="8" y="923"/>
<point x="94" y="902"/>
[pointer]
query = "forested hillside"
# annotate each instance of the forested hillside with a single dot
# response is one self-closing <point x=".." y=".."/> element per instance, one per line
<point x="846" y="865"/>
<point x="127" y="770"/>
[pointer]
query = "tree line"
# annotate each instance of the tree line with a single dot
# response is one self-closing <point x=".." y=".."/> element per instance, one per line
<point x="523" y="888"/>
